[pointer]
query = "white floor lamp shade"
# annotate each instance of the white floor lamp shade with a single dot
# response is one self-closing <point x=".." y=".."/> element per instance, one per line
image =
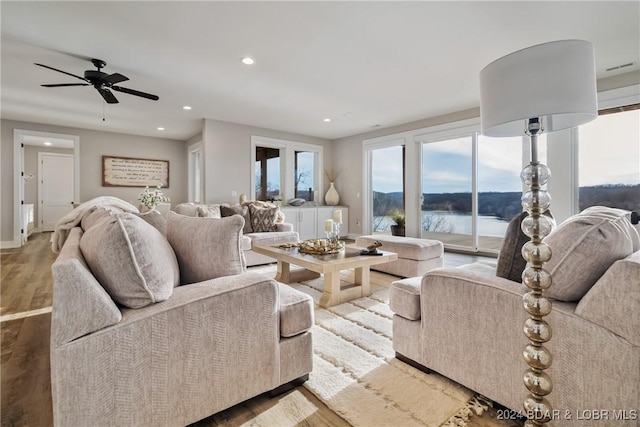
<point x="550" y="87"/>
<point x="553" y="81"/>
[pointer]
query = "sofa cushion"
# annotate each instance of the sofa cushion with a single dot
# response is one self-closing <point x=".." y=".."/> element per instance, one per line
<point x="296" y="311"/>
<point x="243" y="211"/>
<point x="206" y="248"/>
<point x="620" y="283"/>
<point x="131" y="260"/>
<point x="263" y="219"/>
<point x="404" y="297"/>
<point x="583" y="247"/>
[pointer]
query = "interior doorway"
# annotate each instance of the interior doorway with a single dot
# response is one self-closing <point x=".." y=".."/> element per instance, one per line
<point x="55" y="188"/>
<point x="27" y="145"/>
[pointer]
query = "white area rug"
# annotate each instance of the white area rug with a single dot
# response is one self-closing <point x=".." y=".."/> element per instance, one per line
<point x="356" y="374"/>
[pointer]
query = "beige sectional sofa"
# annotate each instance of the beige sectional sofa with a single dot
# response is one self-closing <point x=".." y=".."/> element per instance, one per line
<point x="280" y="232"/>
<point x="466" y="324"/>
<point x="165" y="331"/>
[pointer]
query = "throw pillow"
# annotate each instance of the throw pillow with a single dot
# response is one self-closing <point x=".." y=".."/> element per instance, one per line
<point x="131" y="260"/>
<point x="208" y="211"/>
<point x="608" y="212"/>
<point x="243" y="211"/>
<point x="206" y="248"/>
<point x="263" y="219"/>
<point x="511" y="264"/>
<point x="583" y="247"/>
<point x="156" y="219"/>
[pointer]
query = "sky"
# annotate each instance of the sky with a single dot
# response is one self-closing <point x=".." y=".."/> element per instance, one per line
<point x="609" y="153"/>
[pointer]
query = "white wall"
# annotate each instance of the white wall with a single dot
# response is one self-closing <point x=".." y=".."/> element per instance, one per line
<point x="93" y="145"/>
<point x="227" y="150"/>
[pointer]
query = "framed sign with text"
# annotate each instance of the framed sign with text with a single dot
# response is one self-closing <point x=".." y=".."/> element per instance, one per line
<point x="133" y="172"/>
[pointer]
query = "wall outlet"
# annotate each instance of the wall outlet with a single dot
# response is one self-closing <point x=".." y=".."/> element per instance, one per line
<point x="234" y="193"/>
<point x="357" y="222"/>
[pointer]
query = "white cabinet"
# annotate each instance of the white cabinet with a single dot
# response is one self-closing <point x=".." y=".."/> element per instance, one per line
<point x="326" y="212"/>
<point x="308" y="221"/>
<point x="304" y="220"/>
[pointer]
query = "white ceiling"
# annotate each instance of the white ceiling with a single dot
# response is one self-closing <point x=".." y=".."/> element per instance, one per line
<point x="361" y="64"/>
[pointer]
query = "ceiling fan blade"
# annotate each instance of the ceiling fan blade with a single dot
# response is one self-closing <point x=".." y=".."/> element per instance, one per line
<point x="60" y="71"/>
<point x="107" y="95"/>
<point x="135" y="92"/>
<point x="115" y="78"/>
<point x="67" y="84"/>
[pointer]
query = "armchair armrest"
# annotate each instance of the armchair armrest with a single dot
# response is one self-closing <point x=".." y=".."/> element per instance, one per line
<point x="284" y="226"/>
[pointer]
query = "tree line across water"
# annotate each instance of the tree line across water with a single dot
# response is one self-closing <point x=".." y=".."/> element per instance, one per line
<point x="505" y="205"/>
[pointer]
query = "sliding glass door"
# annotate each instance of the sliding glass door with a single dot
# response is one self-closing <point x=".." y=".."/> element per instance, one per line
<point x="387" y="186"/>
<point x="499" y="188"/>
<point x="447" y="199"/>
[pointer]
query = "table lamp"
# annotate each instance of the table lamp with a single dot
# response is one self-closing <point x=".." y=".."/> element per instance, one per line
<point x="547" y="87"/>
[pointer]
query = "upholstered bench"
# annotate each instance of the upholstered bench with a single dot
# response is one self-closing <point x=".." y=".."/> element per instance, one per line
<point x="415" y="256"/>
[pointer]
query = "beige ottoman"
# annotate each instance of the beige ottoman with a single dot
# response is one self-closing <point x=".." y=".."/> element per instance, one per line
<point x="415" y="256"/>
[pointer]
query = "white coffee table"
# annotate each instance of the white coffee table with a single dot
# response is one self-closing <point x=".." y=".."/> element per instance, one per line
<point x="330" y="267"/>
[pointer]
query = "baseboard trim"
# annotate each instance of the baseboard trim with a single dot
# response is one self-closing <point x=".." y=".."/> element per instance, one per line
<point x="9" y="244"/>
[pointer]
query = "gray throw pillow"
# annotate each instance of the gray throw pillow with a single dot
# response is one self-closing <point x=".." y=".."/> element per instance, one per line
<point x="243" y="211"/>
<point x="263" y="219"/>
<point x="511" y="264"/>
<point x="131" y="260"/>
<point x="206" y="248"/>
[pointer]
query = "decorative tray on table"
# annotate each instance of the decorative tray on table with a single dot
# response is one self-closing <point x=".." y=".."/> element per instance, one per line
<point x="318" y="246"/>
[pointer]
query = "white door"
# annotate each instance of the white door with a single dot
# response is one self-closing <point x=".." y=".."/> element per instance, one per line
<point x="55" y="188"/>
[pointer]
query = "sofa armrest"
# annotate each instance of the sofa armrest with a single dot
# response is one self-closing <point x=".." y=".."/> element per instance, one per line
<point x="614" y="301"/>
<point x="80" y="303"/>
<point x="284" y="226"/>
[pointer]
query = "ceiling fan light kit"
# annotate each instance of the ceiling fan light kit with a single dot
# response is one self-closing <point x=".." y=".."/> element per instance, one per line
<point x="102" y="82"/>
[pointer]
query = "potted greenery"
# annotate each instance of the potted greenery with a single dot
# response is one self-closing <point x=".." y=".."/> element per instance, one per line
<point x="397" y="216"/>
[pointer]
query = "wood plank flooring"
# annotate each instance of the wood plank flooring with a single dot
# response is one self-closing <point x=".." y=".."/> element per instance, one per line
<point x="25" y="386"/>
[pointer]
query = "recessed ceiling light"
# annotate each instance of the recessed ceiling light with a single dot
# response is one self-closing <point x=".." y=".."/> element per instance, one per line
<point x="326" y="120"/>
<point x="248" y="61"/>
<point x="160" y="128"/>
<point x="47" y="143"/>
<point x="186" y="107"/>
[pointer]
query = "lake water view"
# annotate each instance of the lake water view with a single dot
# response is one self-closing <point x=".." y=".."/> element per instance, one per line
<point x="452" y="222"/>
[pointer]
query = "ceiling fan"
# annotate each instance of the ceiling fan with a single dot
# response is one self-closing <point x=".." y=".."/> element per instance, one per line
<point x="102" y="82"/>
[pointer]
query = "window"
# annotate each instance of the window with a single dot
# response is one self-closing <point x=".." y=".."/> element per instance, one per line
<point x="304" y="175"/>
<point x="609" y="161"/>
<point x="267" y="170"/>
<point x="282" y="170"/>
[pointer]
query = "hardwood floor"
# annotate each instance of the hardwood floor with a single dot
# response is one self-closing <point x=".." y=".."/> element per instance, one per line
<point x="25" y="324"/>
